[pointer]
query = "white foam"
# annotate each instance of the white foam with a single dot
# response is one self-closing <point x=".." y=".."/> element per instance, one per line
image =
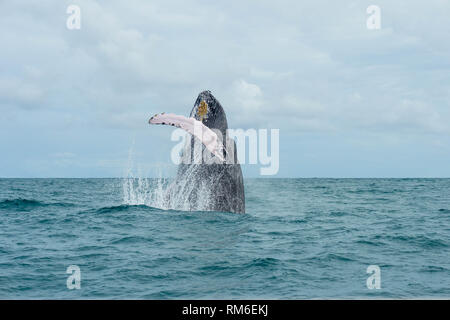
<point x="163" y="193"/>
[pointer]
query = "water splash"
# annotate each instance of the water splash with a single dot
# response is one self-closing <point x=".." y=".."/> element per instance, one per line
<point x="145" y="191"/>
<point x="186" y="194"/>
<point x="138" y="190"/>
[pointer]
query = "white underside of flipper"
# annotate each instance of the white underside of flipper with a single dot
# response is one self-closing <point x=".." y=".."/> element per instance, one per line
<point x="196" y="128"/>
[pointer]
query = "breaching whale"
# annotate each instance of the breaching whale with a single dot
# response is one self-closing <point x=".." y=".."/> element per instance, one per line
<point x="209" y="177"/>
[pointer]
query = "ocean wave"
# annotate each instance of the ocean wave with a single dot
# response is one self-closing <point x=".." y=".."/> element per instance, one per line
<point x="20" y="203"/>
<point x="421" y="241"/>
<point x="203" y="216"/>
<point x="330" y="257"/>
<point x="224" y="268"/>
<point x="433" y="269"/>
<point x="132" y="239"/>
<point x="288" y="219"/>
<point x="371" y="243"/>
<point x="121" y="208"/>
<point x="264" y="262"/>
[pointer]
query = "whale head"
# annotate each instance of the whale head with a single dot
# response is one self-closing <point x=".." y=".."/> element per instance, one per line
<point x="209" y="111"/>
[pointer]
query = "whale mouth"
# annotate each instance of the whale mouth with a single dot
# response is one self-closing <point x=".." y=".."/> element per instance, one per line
<point x="202" y="110"/>
<point x="204" y="106"/>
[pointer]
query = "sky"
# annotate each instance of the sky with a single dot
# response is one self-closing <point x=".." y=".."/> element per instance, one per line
<point x="349" y="101"/>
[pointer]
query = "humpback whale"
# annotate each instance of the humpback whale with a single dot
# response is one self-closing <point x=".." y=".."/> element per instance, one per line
<point x="217" y="183"/>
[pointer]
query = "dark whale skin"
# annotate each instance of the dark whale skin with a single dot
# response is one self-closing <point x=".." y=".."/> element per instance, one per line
<point x="224" y="181"/>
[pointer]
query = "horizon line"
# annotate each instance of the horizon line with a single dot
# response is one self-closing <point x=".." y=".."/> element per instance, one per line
<point x="267" y="177"/>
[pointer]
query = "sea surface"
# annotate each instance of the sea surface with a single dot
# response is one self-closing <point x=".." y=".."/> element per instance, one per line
<point x="300" y="239"/>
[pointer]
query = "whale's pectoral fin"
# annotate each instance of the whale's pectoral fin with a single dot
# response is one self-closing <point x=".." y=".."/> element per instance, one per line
<point x="208" y="137"/>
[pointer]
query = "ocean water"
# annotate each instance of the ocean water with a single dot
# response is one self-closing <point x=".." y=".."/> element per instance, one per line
<point x="300" y="239"/>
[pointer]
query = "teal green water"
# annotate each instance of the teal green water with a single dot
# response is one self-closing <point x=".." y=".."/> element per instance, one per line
<point x="300" y="238"/>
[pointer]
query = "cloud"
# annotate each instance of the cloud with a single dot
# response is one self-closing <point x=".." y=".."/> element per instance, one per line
<point x="127" y="60"/>
<point x="247" y="95"/>
<point x="17" y="92"/>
